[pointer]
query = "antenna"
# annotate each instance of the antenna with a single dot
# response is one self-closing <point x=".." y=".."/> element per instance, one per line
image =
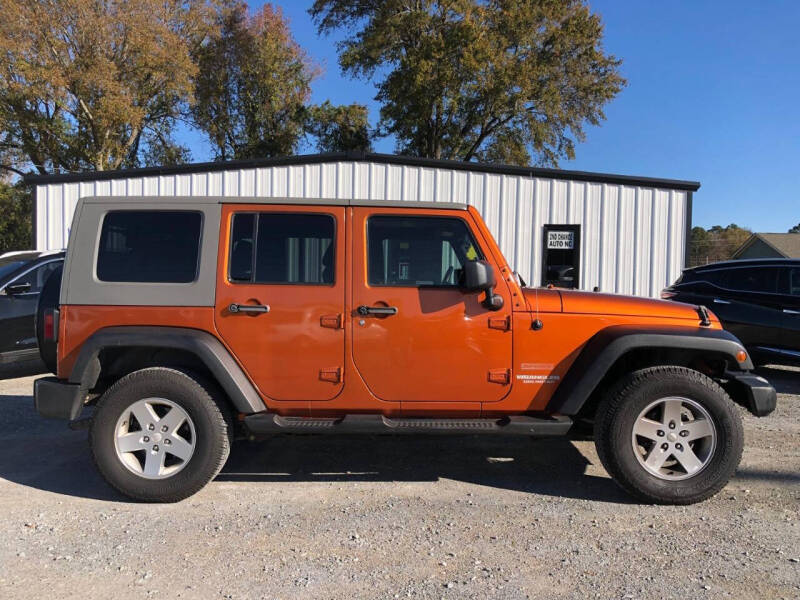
<point x="537" y="322"/>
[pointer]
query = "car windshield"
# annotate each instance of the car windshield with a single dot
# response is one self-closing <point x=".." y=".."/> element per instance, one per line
<point x="9" y="265"/>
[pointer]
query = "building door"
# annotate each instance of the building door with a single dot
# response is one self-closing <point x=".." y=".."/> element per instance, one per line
<point x="417" y="337"/>
<point x="561" y="255"/>
<point x="280" y="298"/>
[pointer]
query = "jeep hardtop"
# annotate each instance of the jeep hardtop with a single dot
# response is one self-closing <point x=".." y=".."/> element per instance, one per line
<point x="188" y="321"/>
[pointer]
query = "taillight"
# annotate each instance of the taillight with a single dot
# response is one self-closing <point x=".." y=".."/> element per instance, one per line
<point x="667" y="294"/>
<point x="49" y="325"/>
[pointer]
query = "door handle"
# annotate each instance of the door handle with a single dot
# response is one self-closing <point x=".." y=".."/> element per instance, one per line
<point x="248" y="308"/>
<point x="718" y="301"/>
<point x="376" y="310"/>
<point x="789" y="311"/>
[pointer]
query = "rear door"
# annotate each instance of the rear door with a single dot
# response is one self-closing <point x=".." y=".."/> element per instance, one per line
<point x="791" y="311"/>
<point x="280" y="297"/>
<point x="748" y="302"/>
<point x="421" y="338"/>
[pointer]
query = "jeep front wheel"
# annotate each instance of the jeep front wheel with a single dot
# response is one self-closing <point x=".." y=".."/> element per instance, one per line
<point x="160" y="434"/>
<point x="669" y="435"/>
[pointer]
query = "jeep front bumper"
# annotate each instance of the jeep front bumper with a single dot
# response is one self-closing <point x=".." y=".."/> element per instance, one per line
<point x="55" y="398"/>
<point x="753" y="392"/>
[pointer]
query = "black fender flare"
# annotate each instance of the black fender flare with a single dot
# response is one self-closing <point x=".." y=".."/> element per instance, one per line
<point x="608" y="345"/>
<point x="207" y="348"/>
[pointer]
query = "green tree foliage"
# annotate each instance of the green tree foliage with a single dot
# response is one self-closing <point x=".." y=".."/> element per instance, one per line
<point x="717" y="243"/>
<point x="16" y="208"/>
<point x="87" y="85"/>
<point x="339" y="128"/>
<point x="487" y="80"/>
<point x="252" y="86"/>
<point x="795" y="229"/>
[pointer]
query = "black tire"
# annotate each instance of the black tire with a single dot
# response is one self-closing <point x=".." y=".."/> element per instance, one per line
<point x="620" y="409"/>
<point x="204" y="404"/>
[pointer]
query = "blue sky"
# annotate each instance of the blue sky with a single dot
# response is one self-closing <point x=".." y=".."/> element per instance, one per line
<point x="713" y="95"/>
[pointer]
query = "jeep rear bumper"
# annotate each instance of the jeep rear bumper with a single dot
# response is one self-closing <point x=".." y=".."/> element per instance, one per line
<point x="752" y="392"/>
<point x="56" y="398"/>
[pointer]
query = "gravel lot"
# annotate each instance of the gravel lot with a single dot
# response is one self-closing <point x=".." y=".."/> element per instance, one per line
<point x="393" y="517"/>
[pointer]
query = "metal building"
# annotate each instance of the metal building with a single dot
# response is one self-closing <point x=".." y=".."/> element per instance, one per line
<point x="621" y="234"/>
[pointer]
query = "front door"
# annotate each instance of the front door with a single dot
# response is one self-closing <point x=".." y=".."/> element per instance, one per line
<point x="280" y="297"/>
<point x="416" y="336"/>
<point x="18" y="308"/>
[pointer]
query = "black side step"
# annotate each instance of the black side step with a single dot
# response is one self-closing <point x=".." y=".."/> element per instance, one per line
<point x="263" y="423"/>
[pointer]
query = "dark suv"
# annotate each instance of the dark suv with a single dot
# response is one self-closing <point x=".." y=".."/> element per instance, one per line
<point x="756" y="300"/>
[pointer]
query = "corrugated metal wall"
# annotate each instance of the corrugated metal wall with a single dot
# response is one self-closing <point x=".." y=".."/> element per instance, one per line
<point x="632" y="238"/>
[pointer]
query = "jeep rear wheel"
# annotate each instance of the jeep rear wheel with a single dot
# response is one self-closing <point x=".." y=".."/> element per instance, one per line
<point x="669" y="435"/>
<point x="160" y="434"/>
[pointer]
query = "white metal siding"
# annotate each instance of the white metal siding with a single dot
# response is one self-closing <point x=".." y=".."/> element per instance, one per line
<point x="632" y="237"/>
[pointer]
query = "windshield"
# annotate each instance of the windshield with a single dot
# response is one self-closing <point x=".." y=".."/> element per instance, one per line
<point x="9" y="265"/>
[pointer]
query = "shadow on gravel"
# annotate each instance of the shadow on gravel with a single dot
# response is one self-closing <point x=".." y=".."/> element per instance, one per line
<point x="762" y="475"/>
<point x="784" y="380"/>
<point x="553" y="467"/>
<point x="46" y="455"/>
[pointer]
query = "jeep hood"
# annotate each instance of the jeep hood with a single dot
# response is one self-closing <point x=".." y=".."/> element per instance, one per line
<point x="592" y="303"/>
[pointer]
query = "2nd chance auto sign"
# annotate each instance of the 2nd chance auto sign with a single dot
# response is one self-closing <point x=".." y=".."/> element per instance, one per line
<point x="560" y="240"/>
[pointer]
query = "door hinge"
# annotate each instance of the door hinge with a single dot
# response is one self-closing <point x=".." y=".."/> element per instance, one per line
<point x="502" y="376"/>
<point x="334" y="375"/>
<point x="331" y="321"/>
<point x="501" y="323"/>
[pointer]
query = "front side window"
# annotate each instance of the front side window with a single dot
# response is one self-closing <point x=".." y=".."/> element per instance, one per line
<point x="37" y="277"/>
<point x="150" y="246"/>
<point x="418" y="251"/>
<point x="282" y="248"/>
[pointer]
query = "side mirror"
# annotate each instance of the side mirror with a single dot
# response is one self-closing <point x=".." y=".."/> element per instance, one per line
<point x="478" y="276"/>
<point x="18" y="288"/>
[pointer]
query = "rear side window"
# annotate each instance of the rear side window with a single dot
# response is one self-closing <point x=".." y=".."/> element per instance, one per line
<point x="418" y="251"/>
<point x="149" y="246"/>
<point x="282" y="248"/>
<point x="754" y="279"/>
<point x="794" y="281"/>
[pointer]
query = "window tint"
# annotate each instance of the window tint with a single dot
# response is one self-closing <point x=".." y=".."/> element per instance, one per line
<point x="418" y="251"/>
<point x="8" y="267"/>
<point x="150" y="246"/>
<point x="37" y="277"/>
<point x="289" y="248"/>
<point x="751" y="279"/>
<point x="794" y="281"/>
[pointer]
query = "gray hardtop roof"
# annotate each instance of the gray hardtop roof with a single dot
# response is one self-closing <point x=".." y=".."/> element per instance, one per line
<point x="189" y="200"/>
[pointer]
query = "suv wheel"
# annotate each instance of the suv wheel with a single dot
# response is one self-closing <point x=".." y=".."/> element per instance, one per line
<point x="160" y="435"/>
<point x="669" y="435"/>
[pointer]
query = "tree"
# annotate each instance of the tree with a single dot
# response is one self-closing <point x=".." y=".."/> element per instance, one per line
<point x="16" y="206"/>
<point x="339" y="128"/>
<point x="89" y="85"/>
<point x="717" y="243"/>
<point x="487" y="80"/>
<point x="252" y="86"/>
<point x="795" y="229"/>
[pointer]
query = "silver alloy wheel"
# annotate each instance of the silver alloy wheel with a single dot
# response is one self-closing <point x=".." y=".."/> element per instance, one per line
<point x="674" y="438"/>
<point x="154" y="438"/>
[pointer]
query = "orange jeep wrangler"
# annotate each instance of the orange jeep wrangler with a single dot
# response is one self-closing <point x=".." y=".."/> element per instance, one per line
<point x="186" y="322"/>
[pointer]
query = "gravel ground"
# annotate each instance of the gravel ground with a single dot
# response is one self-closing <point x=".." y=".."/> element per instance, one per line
<point x="394" y="517"/>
